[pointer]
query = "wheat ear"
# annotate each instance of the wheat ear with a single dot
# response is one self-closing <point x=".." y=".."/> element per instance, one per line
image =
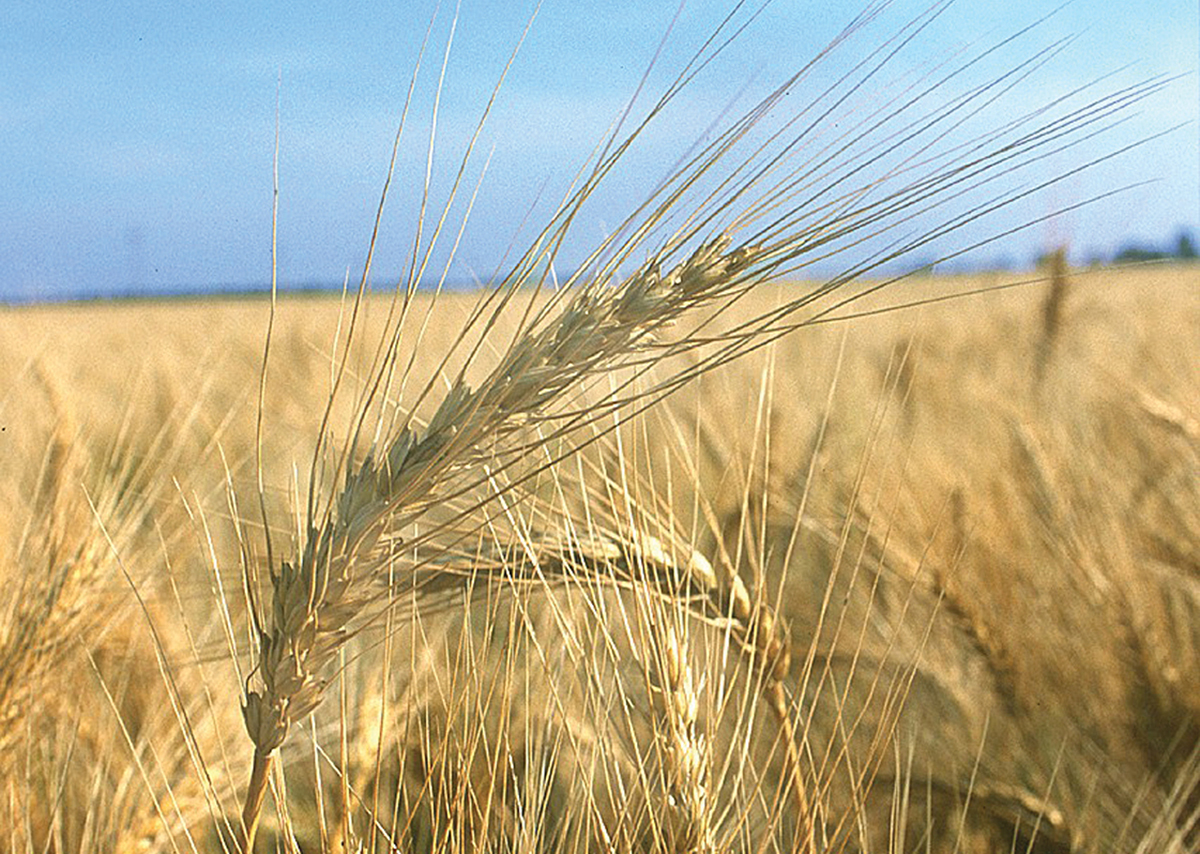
<point x="59" y="565"/>
<point x="316" y="602"/>
<point x="682" y="745"/>
<point x="681" y="571"/>
<point x="1053" y="310"/>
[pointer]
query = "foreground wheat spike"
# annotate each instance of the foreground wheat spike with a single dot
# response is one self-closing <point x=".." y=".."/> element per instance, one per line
<point x="315" y="600"/>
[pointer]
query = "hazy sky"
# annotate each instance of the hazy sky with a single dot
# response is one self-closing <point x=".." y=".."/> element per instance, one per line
<point x="136" y="138"/>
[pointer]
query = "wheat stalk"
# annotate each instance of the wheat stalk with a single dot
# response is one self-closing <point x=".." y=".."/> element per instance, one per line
<point x="762" y="635"/>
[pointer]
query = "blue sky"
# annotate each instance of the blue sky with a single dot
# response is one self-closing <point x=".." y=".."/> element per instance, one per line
<point x="136" y="138"/>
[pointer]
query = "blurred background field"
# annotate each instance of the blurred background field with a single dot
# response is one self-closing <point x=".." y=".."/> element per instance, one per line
<point x="979" y="520"/>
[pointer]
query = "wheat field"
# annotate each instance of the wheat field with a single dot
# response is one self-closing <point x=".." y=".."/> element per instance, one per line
<point x="693" y="549"/>
<point x="986" y="570"/>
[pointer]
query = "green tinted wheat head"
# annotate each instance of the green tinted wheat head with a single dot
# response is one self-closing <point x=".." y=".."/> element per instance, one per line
<point x="314" y="600"/>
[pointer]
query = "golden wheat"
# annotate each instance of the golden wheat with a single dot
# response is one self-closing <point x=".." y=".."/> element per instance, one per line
<point x="542" y="640"/>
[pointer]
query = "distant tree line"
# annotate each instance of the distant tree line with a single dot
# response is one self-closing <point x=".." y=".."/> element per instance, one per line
<point x="1182" y="248"/>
